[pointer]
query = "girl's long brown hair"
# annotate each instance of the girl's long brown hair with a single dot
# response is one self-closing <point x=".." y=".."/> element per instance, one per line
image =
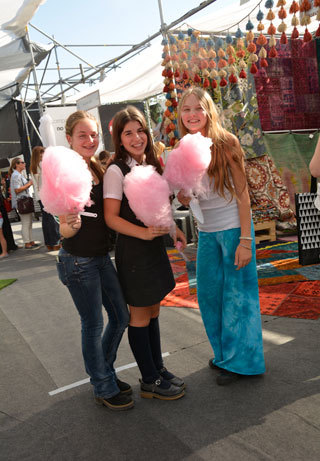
<point x="132" y="114"/>
<point x="225" y="147"/>
<point x="35" y="158"/>
<point x="71" y="122"/>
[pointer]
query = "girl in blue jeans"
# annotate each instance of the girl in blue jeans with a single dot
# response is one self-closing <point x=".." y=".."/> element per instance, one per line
<point x="227" y="282"/>
<point x="84" y="266"/>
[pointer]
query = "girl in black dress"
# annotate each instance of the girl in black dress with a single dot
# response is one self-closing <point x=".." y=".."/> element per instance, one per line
<point x="143" y="267"/>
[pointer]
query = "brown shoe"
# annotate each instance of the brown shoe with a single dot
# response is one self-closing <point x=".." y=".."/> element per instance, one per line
<point x="50" y="248"/>
<point x="119" y="402"/>
<point x="56" y="247"/>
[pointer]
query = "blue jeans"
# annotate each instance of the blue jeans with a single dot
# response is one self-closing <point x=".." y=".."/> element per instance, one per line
<point x="93" y="282"/>
<point x="50" y="228"/>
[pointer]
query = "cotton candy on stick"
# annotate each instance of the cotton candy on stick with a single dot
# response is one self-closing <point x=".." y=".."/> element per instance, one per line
<point x="66" y="181"/>
<point x="148" y="195"/>
<point x="186" y="166"/>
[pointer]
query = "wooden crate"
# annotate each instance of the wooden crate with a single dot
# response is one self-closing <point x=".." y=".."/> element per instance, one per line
<point x="265" y="231"/>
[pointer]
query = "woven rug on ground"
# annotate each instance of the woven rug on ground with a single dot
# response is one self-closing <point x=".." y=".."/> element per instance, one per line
<point x="298" y="299"/>
<point x="6" y="282"/>
<point x="279" y="263"/>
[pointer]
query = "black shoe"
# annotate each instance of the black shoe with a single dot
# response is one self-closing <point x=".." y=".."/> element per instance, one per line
<point x="226" y="377"/>
<point x="172" y="378"/>
<point x="161" y="389"/>
<point x="125" y="388"/>
<point x="118" y="402"/>
<point x="212" y="365"/>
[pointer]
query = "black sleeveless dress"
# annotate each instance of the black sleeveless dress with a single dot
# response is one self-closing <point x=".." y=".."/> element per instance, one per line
<point x="143" y="266"/>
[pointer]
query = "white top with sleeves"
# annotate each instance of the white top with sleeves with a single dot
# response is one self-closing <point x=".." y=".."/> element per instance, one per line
<point x="17" y="180"/>
<point x="219" y="213"/>
<point x="36" y="178"/>
<point x="113" y="180"/>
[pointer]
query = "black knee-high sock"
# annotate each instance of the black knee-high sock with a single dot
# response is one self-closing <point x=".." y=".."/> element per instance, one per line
<point x="155" y="342"/>
<point x="140" y="345"/>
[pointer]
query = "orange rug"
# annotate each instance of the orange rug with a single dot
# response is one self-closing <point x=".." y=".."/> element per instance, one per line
<point x="296" y="299"/>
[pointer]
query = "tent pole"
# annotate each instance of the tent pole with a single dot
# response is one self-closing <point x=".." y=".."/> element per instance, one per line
<point x="25" y="122"/>
<point x="35" y="74"/>
<point x="59" y="73"/>
<point x="147" y="111"/>
<point x="163" y="24"/>
<point x="65" y="48"/>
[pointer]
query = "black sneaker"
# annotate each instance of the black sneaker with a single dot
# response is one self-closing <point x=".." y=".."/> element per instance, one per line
<point x="226" y="377"/>
<point x="212" y="365"/>
<point x="172" y="378"/>
<point x="161" y="389"/>
<point x="118" y="402"/>
<point x="125" y="388"/>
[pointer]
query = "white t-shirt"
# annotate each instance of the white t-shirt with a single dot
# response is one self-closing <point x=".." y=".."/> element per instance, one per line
<point x="113" y="180"/>
<point x="219" y="213"/>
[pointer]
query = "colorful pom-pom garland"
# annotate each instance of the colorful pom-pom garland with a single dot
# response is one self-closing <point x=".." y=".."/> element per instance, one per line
<point x="215" y="62"/>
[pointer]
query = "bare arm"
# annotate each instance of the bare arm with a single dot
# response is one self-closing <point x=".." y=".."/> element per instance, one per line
<point x="244" y="250"/>
<point x="22" y="188"/>
<point x="314" y="165"/>
<point x="115" y="222"/>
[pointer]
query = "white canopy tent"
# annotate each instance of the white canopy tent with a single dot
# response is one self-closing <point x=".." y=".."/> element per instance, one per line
<point x="141" y="77"/>
<point x="16" y="59"/>
<point x="136" y="79"/>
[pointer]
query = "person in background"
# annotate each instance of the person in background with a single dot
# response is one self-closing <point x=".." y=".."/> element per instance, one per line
<point x="159" y="147"/>
<point x="3" y="242"/>
<point x="227" y="282"/>
<point x="142" y="262"/>
<point x="19" y="187"/>
<point x="6" y="226"/>
<point x="314" y="165"/>
<point x="50" y="226"/>
<point x="86" y="269"/>
<point x="104" y="158"/>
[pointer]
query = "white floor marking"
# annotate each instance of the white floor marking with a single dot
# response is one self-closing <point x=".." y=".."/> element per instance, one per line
<point x="276" y="338"/>
<point x="87" y="380"/>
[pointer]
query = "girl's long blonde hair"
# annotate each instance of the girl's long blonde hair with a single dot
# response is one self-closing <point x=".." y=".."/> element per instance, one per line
<point x="225" y="147"/>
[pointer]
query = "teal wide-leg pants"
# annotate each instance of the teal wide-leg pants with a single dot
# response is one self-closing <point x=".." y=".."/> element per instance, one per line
<point x="229" y="303"/>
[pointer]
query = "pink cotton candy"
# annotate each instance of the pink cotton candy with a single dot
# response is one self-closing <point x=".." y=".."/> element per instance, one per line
<point x="66" y="181"/>
<point x="187" y="164"/>
<point x="148" y="195"/>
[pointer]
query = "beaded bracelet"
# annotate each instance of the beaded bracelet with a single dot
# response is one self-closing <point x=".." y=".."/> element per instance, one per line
<point x="240" y="244"/>
<point x="245" y="238"/>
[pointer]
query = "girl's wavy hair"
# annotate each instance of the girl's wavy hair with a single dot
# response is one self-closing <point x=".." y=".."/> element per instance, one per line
<point x="35" y="158"/>
<point x="225" y="146"/>
<point x="124" y="116"/>
<point x="71" y="122"/>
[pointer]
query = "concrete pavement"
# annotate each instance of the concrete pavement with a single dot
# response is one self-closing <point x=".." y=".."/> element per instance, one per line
<point x="274" y="417"/>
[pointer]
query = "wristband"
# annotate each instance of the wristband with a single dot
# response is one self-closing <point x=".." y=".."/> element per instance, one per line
<point x="248" y="248"/>
<point x="245" y="238"/>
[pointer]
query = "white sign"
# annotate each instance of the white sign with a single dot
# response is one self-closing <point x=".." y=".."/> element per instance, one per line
<point x="90" y="101"/>
<point x="59" y="116"/>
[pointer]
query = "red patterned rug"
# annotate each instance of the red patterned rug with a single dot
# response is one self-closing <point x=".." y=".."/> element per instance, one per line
<point x="296" y="299"/>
